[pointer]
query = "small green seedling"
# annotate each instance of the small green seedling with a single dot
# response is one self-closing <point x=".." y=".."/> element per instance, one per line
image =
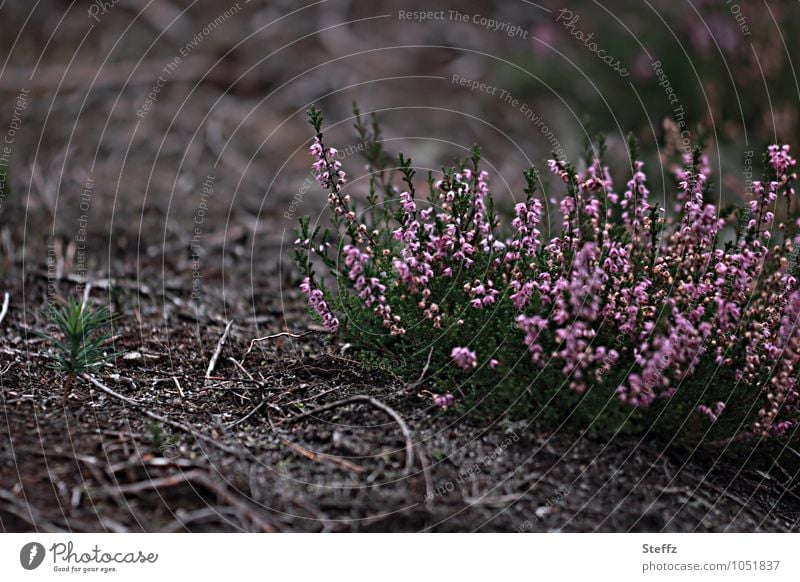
<point x="85" y="332"/>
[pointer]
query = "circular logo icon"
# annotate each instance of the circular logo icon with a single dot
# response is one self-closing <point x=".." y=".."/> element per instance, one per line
<point x="31" y="555"/>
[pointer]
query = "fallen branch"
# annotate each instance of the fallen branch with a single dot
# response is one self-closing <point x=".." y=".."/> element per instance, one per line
<point x="218" y="350"/>
<point x="426" y="474"/>
<point x="323" y="458"/>
<point x="419" y="380"/>
<point x="248" y="415"/>
<point x="377" y="404"/>
<point x="159" y="483"/>
<point x="175" y="424"/>
<point x="118" y="498"/>
<point x="182" y="521"/>
<point x="4" y="309"/>
<point x="494" y="500"/>
<point x="87" y="291"/>
<point x="240" y="505"/>
<point x="794" y="452"/>
<point x="199" y="477"/>
<point x="26" y="512"/>
<point x="253" y="342"/>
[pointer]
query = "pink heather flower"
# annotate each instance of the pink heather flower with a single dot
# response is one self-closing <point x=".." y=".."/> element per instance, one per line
<point x="328" y="170"/>
<point x="414" y="264"/>
<point x="782" y="427"/>
<point x="782" y="163"/>
<point x="782" y="390"/>
<point x="559" y="168"/>
<point x="480" y="218"/>
<point x="464" y="358"/>
<point x="761" y="217"/>
<point x="714" y="414"/>
<point x="370" y="289"/>
<point x="598" y="179"/>
<point x="691" y="182"/>
<point x="526" y="223"/>
<point x="482" y="294"/>
<point x="443" y="401"/>
<point x="673" y="302"/>
<point x="522" y="293"/>
<point x="533" y="326"/>
<point x="316" y="300"/>
<point x="779" y="159"/>
<point x="634" y="201"/>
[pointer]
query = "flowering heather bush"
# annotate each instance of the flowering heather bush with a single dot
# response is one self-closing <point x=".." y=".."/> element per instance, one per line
<point x="629" y="318"/>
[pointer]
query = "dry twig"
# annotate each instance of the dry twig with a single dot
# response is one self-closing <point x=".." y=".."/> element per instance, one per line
<point x="180" y="523"/>
<point x="377" y="404"/>
<point x="256" y="408"/>
<point x="4" y="309"/>
<point x="421" y="378"/>
<point x="253" y="342"/>
<point x="324" y="458"/>
<point x="218" y="350"/>
<point x="27" y="513"/>
<point x="198" y="477"/>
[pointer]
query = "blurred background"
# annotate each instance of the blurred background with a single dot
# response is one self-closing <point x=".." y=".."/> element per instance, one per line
<point x="170" y="135"/>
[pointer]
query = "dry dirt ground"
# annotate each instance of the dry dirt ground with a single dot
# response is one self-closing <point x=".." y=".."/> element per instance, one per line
<point x="257" y="448"/>
<point x="283" y="436"/>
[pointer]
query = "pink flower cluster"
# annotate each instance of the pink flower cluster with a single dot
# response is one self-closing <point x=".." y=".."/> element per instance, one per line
<point x="622" y="297"/>
<point x="316" y="300"/>
<point x="359" y="256"/>
<point x="443" y="401"/>
<point x="327" y="168"/>
<point x="464" y="358"/>
<point x="370" y="289"/>
<point x="711" y="414"/>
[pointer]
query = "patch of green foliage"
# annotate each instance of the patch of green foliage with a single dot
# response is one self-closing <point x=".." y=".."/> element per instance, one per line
<point x="81" y="340"/>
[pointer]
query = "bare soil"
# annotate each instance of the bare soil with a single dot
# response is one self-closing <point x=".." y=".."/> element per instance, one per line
<point x="230" y="455"/>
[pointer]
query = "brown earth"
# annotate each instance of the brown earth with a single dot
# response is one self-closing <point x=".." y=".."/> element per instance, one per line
<point x="227" y="454"/>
